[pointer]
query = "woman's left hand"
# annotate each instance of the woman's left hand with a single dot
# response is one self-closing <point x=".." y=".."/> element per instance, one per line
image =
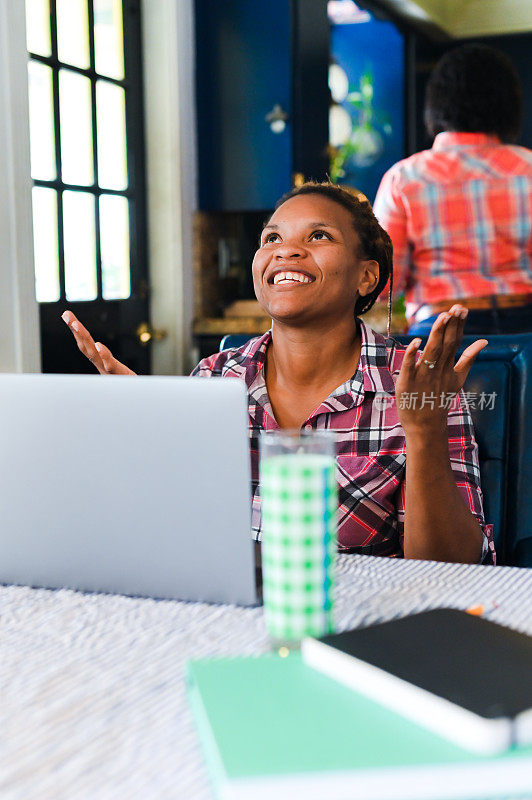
<point x="424" y="391"/>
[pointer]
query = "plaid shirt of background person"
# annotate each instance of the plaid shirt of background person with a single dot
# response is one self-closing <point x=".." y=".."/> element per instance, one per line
<point x="371" y="460"/>
<point x="460" y="219"/>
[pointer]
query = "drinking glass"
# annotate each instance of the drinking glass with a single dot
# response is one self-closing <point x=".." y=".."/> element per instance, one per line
<point x="299" y="507"/>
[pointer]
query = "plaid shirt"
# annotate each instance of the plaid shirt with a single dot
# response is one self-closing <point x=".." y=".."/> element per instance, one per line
<point x="371" y="451"/>
<point x="459" y="216"/>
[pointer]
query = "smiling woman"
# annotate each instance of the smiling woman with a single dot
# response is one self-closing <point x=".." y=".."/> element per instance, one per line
<point x="407" y="463"/>
<point x="326" y="240"/>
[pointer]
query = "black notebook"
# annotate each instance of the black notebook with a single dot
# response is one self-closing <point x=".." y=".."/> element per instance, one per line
<point x="459" y="675"/>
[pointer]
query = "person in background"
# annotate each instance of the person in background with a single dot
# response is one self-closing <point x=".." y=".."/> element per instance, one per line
<point x="460" y="214"/>
<point x="408" y="468"/>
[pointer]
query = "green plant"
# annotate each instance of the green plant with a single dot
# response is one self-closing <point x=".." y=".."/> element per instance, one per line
<point x="366" y="142"/>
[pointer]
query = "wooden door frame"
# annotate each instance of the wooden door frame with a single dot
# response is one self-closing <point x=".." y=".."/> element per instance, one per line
<point x="310" y="89"/>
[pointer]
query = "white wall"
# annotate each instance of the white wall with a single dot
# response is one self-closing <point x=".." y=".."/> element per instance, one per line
<point x="19" y="320"/>
<point x="168" y="56"/>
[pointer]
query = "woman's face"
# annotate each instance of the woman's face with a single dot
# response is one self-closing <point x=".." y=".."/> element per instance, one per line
<point x="307" y="268"/>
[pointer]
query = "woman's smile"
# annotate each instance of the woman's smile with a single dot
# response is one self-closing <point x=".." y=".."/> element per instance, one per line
<point x="290" y="277"/>
<point x="282" y="276"/>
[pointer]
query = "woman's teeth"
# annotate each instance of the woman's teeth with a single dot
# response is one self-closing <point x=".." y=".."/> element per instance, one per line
<point x="296" y="277"/>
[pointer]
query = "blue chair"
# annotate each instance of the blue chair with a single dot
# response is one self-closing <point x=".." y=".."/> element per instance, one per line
<point x="504" y="435"/>
<point x="234" y="340"/>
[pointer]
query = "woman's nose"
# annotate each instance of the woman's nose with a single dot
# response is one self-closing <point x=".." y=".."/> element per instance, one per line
<point x="289" y="250"/>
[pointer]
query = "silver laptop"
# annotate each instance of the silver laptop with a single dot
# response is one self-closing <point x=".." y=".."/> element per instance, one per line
<point x="137" y="486"/>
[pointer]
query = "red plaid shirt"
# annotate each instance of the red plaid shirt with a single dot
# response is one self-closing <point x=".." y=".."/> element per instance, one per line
<point x="371" y="456"/>
<point x="459" y="216"/>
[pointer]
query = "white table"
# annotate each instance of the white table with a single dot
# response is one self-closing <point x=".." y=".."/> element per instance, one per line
<point x="93" y="700"/>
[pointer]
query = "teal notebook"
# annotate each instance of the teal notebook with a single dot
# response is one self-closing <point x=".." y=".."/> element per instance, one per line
<point x="273" y="728"/>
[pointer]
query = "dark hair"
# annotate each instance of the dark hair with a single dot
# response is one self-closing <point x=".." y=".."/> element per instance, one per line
<point x="474" y="88"/>
<point x="375" y="244"/>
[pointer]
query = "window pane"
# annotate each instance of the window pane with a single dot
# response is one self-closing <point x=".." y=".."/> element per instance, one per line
<point x="76" y="128"/>
<point x="38" y="27"/>
<point x="42" y="143"/>
<point x="73" y="32"/>
<point x="111" y="124"/>
<point x="108" y="39"/>
<point x="45" y="244"/>
<point x="80" y="249"/>
<point x="114" y="239"/>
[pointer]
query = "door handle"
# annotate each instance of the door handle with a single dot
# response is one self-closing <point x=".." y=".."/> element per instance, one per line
<point x="145" y="333"/>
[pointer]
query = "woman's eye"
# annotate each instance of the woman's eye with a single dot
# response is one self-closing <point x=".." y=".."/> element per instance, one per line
<point x="320" y="235"/>
<point x="271" y="237"/>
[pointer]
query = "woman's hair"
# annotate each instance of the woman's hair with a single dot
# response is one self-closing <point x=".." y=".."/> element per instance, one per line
<point x="375" y="244"/>
<point x="474" y="88"/>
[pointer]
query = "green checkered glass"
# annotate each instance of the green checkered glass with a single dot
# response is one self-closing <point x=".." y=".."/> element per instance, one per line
<point x="299" y="506"/>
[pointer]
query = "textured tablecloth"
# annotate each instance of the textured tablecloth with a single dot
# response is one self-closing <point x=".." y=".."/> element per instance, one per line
<point x="93" y="700"/>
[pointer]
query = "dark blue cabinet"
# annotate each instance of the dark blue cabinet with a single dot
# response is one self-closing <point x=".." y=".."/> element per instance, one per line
<point x="243" y="70"/>
<point x="251" y="57"/>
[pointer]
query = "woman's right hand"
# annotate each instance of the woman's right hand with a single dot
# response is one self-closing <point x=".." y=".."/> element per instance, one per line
<point x="97" y="353"/>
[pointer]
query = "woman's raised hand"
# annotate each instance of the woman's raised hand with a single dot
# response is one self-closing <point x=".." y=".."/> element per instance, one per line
<point x="97" y="353"/>
<point x="424" y="389"/>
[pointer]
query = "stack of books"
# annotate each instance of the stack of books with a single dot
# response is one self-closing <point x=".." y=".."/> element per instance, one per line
<point x="434" y="705"/>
